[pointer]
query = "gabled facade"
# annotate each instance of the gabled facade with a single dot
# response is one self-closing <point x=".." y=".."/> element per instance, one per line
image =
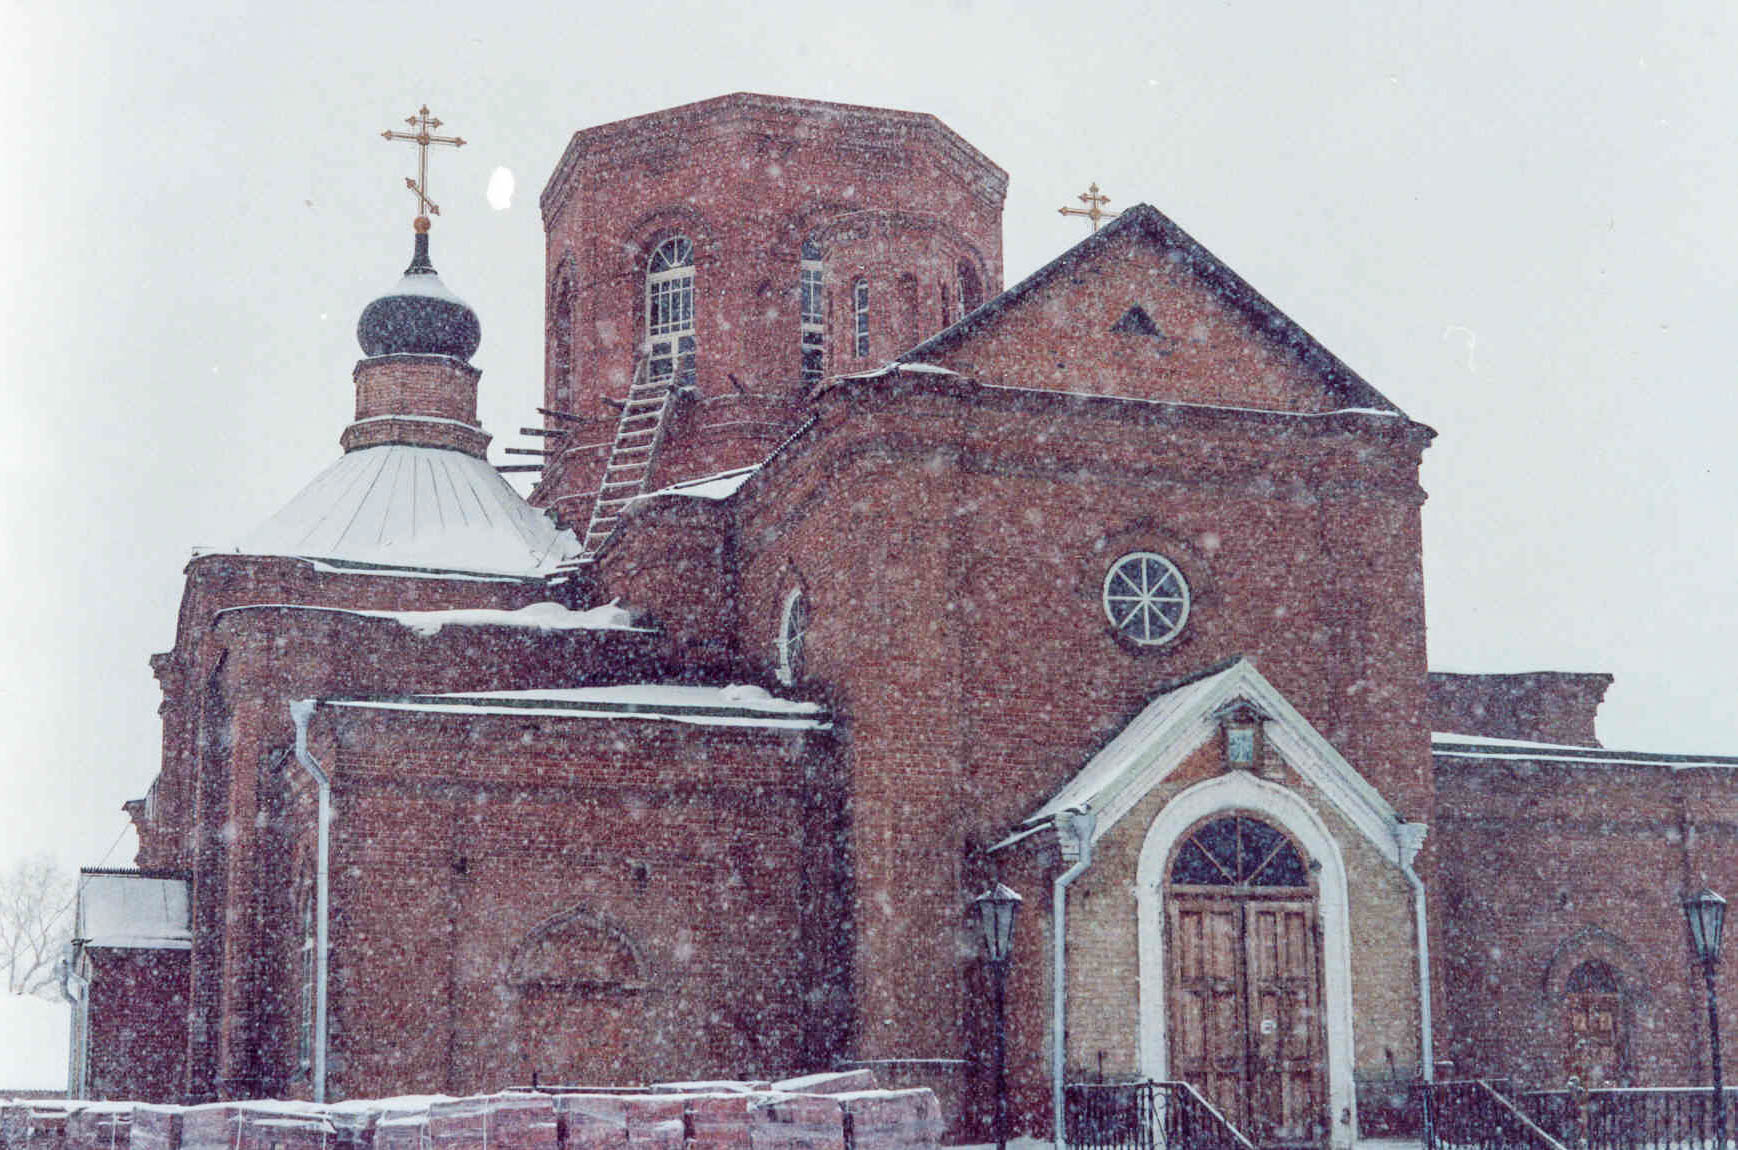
<point x="850" y="585"/>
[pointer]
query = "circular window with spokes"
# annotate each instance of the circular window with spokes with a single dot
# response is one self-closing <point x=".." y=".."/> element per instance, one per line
<point x="1146" y="598"/>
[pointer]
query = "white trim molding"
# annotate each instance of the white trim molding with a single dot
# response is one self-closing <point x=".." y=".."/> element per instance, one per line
<point x="1241" y="791"/>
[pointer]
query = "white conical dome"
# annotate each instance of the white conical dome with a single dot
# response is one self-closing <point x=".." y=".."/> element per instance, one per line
<point x="427" y="507"/>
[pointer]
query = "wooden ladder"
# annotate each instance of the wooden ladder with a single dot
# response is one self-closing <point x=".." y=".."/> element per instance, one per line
<point x="639" y="433"/>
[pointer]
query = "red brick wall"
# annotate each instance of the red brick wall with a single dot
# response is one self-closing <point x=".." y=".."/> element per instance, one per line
<point x="456" y="839"/>
<point x="1059" y="338"/>
<point x="227" y="730"/>
<point x="138" y="1024"/>
<point x="434" y="385"/>
<point x="953" y="544"/>
<point x="1546" y="866"/>
<point x="1540" y="706"/>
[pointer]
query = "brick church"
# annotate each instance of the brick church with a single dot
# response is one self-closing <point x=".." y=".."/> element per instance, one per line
<point x="853" y="583"/>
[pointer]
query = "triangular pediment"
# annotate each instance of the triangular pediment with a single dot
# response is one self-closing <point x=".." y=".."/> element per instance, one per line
<point x="1179" y="721"/>
<point x="1142" y="310"/>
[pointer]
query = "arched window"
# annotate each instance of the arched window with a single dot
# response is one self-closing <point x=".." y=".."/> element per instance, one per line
<point x="561" y="341"/>
<point x="814" y="313"/>
<point x="971" y="291"/>
<point x="793" y="627"/>
<point x="1238" y="851"/>
<point x="670" y="312"/>
<point x="1593" y="1021"/>
<point x="860" y="306"/>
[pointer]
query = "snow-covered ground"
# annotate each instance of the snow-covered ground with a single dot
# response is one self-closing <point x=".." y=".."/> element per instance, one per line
<point x="33" y="1043"/>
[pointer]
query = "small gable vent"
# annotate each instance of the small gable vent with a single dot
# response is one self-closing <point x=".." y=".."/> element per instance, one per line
<point x="1136" y="321"/>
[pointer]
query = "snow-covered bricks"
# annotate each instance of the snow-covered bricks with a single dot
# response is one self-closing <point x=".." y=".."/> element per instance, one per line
<point x="495" y="1122"/>
<point x="685" y="1116"/>
<point x="34" y="1125"/>
<point x="251" y="1126"/>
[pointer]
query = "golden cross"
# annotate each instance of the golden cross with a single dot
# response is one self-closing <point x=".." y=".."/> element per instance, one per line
<point x="1094" y="210"/>
<point x="422" y="138"/>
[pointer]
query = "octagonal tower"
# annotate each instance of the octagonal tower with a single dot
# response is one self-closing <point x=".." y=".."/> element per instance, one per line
<point x="739" y="250"/>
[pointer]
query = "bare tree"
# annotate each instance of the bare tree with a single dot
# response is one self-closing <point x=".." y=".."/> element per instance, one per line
<point x="35" y="921"/>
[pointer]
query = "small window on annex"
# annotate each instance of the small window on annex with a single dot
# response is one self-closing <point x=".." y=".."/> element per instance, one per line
<point x="793" y="626"/>
<point x="860" y="305"/>
<point x="814" y="313"/>
<point x="670" y="312"/>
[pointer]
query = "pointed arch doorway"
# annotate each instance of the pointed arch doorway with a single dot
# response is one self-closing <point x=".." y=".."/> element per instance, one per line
<point x="1244" y="978"/>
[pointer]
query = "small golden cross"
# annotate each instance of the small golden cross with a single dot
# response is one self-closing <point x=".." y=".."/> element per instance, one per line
<point x="1094" y="207"/>
<point x="422" y="138"/>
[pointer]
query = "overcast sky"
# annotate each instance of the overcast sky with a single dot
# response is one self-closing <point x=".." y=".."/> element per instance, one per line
<point x="1514" y="220"/>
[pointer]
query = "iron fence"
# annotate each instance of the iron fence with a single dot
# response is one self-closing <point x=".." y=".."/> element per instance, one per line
<point x="1145" y="1116"/>
<point x="1475" y="1115"/>
<point x="1631" y="1118"/>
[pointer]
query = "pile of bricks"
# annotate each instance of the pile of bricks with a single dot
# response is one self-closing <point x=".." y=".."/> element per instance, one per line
<point x="843" y="1111"/>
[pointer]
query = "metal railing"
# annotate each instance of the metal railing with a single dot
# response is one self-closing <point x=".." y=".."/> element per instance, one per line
<point x="1475" y="1115"/>
<point x="1145" y="1116"/>
<point x="1631" y="1118"/>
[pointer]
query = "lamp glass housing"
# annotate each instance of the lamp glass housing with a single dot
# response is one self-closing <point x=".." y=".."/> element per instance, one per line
<point x="1705" y="912"/>
<point x="997" y="908"/>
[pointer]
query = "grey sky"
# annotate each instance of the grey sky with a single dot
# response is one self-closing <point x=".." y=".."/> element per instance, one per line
<point x="1515" y="220"/>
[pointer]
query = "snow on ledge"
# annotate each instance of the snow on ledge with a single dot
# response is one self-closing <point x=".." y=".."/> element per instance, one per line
<point x="738" y="705"/>
<point x="541" y="617"/>
<point x="1449" y="745"/>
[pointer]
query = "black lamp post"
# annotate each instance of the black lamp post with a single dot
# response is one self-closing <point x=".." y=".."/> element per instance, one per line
<point x="1706" y="913"/>
<point x="997" y="908"/>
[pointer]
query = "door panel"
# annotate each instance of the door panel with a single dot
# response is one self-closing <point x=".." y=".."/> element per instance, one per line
<point x="1245" y="1021"/>
<point x="1287" y="1056"/>
<point x="1207" y="1044"/>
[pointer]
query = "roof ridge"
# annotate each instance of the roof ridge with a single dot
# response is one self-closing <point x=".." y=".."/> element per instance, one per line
<point x="1145" y="218"/>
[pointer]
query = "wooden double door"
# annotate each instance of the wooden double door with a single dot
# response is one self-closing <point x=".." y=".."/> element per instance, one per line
<point x="1246" y="1020"/>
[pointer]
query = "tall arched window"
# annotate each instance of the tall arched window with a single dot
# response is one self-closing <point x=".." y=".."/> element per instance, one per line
<point x="971" y="293"/>
<point x="860" y="311"/>
<point x="813" y="313"/>
<point x="561" y="341"/>
<point x="670" y="312"/>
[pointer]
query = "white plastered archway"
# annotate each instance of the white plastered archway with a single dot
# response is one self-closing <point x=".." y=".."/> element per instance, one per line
<point x="1240" y="791"/>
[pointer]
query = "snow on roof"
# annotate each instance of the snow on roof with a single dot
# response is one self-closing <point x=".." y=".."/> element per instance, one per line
<point x="427" y="284"/>
<point x="720" y="486"/>
<point x="133" y="911"/>
<point x="1119" y="755"/>
<point x="535" y="617"/>
<point x="1450" y="745"/>
<point x="896" y="365"/>
<point x="421" y="507"/>
<point x="33" y="1043"/>
<point x="734" y="706"/>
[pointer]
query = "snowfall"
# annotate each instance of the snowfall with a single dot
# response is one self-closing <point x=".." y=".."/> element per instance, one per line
<point x="33" y="1043"/>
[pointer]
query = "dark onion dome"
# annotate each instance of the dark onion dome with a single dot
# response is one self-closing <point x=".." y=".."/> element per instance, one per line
<point x="419" y="316"/>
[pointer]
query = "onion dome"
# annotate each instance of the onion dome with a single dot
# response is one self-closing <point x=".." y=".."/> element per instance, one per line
<point x="419" y="316"/>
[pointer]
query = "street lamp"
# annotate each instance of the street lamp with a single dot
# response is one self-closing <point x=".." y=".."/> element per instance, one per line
<point x="1705" y="911"/>
<point x="997" y="908"/>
